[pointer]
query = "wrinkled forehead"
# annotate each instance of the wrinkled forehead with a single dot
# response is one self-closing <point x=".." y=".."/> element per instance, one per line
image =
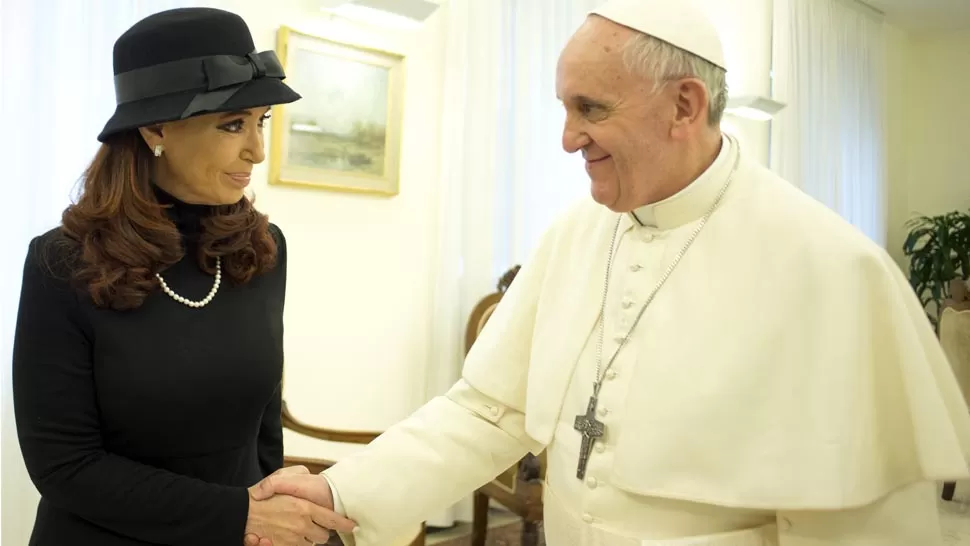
<point x="593" y="59"/>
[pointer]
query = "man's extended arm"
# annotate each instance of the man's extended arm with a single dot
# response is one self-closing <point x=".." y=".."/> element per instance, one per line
<point x="448" y="448"/>
<point x="453" y="444"/>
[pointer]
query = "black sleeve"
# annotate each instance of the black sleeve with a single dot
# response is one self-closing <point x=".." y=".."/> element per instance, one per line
<point x="270" y="440"/>
<point x="269" y="445"/>
<point x="57" y="420"/>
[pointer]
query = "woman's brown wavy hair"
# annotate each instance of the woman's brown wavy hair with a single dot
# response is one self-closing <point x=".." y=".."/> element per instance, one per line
<point x="124" y="236"/>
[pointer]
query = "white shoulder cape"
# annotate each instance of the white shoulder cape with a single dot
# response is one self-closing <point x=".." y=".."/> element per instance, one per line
<point x="794" y="367"/>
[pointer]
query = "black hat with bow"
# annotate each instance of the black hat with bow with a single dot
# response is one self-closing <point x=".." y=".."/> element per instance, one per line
<point x="190" y="61"/>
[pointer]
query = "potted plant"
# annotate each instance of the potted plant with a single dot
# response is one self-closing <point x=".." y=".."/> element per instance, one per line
<point x="938" y="248"/>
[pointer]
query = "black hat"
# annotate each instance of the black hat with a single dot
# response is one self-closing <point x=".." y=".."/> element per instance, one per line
<point x="189" y="61"/>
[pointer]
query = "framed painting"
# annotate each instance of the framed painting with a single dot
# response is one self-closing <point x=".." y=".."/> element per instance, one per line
<point x="345" y="133"/>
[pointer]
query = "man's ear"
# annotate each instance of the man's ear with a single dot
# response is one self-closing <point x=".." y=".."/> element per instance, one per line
<point x="691" y="106"/>
<point x="152" y="135"/>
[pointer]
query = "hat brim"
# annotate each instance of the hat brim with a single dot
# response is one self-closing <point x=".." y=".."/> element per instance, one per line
<point x="257" y="93"/>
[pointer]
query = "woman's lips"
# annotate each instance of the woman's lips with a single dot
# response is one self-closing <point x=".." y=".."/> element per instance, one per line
<point x="242" y="179"/>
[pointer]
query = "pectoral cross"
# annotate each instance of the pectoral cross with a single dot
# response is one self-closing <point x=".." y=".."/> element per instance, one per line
<point x="591" y="429"/>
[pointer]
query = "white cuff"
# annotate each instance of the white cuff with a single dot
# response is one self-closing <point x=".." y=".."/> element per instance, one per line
<point x="338" y="506"/>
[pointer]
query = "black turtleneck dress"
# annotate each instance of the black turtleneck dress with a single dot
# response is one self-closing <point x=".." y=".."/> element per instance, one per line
<point x="146" y="427"/>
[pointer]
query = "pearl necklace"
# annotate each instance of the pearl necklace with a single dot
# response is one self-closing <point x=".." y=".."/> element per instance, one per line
<point x="204" y="301"/>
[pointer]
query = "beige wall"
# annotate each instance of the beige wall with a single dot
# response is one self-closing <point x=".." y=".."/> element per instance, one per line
<point x="360" y="267"/>
<point x="928" y="117"/>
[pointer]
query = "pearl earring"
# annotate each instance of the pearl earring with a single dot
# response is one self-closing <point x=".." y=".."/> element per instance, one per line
<point x="158" y="150"/>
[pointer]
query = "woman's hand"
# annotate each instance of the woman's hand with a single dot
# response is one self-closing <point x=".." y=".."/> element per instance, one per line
<point x="287" y="521"/>
<point x="283" y="520"/>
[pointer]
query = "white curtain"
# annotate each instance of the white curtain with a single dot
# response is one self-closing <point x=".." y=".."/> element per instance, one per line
<point x="504" y="175"/>
<point x="56" y="92"/>
<point x="829" y="67"/>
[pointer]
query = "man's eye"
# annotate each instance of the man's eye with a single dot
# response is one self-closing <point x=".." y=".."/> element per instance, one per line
<point x="591" y="110"/>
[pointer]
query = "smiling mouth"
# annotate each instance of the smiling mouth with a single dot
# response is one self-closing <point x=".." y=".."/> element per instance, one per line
<point x="240" y="178"/>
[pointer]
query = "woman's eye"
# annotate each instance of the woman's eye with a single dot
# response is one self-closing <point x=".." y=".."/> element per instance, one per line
<point x="237" y="126"/>
<point x="233" y="126"/>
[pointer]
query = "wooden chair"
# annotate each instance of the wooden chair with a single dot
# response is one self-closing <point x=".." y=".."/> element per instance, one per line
<point x="319" y="465"/>
<point x="519" y="488"/>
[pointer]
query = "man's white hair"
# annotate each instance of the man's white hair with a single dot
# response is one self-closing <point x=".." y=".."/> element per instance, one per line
<point x="661" y="62"/>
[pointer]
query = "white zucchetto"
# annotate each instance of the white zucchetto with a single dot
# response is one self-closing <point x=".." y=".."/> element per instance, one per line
<point x="678" y="22"/>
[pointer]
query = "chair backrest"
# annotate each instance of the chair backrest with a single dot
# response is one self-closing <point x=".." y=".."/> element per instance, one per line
<point x="486" y="306"/>
<point x="530" y="468"/>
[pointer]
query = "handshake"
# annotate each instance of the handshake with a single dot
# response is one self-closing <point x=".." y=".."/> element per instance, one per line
<point x="290" y="507"/>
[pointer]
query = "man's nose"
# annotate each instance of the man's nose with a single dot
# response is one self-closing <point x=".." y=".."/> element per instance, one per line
<point x="573" y="140"/>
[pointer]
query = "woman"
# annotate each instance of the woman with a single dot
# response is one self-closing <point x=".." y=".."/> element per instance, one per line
<point x="149" y="343"/>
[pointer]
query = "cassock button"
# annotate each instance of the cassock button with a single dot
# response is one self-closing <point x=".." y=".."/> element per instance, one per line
<point x="636" y="267"/>
<point x="587" y="518"/>
<point x="591" y="482"/>
<point x="647" y="237"/>
<point x="602" y="411"/>
<point x="627" y="303"/>
<point x="610" y="374"/>
<point x="600" y="447"/>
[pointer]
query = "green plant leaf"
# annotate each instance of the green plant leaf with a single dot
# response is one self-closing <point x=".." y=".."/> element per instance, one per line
<point x="938" y="248"/>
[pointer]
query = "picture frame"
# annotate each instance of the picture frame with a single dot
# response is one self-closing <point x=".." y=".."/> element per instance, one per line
<point x="345" y="133"/>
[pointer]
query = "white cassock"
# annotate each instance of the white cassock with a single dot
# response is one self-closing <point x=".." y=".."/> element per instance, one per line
<point x="784" y="386"/>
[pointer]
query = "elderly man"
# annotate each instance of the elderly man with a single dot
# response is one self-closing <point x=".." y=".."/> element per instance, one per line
<point x="707" y="355"/>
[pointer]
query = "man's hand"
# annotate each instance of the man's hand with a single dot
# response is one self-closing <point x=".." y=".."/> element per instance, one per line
<point x="311" y="487"/>
<point x="278" y="517"/>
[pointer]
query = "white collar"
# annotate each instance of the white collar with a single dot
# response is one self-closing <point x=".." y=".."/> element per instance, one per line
<point x="690" y="203"/>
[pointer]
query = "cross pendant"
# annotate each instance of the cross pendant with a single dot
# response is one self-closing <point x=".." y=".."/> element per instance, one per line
<point x="591" y="429"/>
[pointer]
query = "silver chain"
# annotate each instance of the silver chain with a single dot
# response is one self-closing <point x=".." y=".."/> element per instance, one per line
<point x="609" y="267"/>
